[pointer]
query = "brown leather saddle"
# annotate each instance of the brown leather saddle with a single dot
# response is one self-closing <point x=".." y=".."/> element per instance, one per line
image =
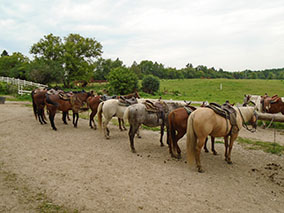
<point x="127" y="101"/>
<point x="266" y="101"/>
<point x="227" y="112"/>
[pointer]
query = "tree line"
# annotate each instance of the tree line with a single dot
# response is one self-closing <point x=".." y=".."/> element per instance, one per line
<point x="76" y="58"/>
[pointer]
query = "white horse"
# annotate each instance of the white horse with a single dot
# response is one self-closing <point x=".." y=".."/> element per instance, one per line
<point x="255" y="100"/>
<point x="110" y="108"/>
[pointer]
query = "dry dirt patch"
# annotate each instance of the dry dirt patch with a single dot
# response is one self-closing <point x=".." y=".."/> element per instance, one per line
<point x="78" y="170"/>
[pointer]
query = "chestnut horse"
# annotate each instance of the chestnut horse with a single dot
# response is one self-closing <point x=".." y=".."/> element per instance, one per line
<point x="272" y="104"/>
<point x="204" y="121"/>
<point x="38" y="99"/>
<point x="93" y="103"/>
<point x="54" y="102"/>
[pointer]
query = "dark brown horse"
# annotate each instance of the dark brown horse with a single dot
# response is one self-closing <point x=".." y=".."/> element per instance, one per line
<point x="272" y="104"/>
<point x="54" y="102"/>
<point x="38" y="99"/>
<point x="93" y="103"/>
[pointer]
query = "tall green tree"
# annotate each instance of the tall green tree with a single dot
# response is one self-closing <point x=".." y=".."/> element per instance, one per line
<point x="75" y="54"/>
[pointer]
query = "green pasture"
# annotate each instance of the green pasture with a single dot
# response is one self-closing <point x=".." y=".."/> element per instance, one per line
<point x="218" y="90"/>
<point x="211" y="90"/>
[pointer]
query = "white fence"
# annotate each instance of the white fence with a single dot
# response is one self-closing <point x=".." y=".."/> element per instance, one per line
<point x="21" y="84"/>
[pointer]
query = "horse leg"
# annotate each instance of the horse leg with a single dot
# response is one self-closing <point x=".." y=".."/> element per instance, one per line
<point x="199" y="145"/>
<point x="162" y="134"/>
<point x="138" y="132"/>
<point x="132" y="130"/>
<point x="232" y="139"/>
<point x="213" y="145"/>
<point x="64" y="117"/>
<point x="92" y="120"/>
<point x="119" y="124"/>
<point x="123" y="125"/>
<point x="226" y="147"/>
<point x="51" y="119"/>
<point x="205" y="145"/>
<point x="42" y="115"/>
<point x="105" y="128"/>
<point x="39" y="116"/>
<point x="75" y="119"/>
<point x="176" y="152"/>
<point x="67" y="114"/>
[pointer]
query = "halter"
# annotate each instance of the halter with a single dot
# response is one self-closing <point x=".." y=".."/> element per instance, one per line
<point x="243" y="121"/>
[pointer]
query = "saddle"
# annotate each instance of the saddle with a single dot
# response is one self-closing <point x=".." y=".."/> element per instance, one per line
<point x="189" y="109"/>
<point x="227" y="112"/>
<point x="127" y="101"/>
<point x="66" y="96"/>
<point x="106" y="97"/>
<point x="266" y="102"/>
<point x="159" y="107"/>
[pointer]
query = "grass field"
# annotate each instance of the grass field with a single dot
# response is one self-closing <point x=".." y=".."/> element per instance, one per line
<point x="210" y="89"/>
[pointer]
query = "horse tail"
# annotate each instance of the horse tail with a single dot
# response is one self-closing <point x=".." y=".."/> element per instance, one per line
<point x="125" y="115"/>
<point x="34" y="105"/>
<point x="100" y="110"/>
<point x="191" y="140"/>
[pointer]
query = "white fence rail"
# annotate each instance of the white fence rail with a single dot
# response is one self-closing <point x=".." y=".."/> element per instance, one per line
<point x="21" y="84"/>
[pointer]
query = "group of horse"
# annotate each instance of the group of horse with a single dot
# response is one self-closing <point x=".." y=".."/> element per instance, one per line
<point x="179" y="118"/>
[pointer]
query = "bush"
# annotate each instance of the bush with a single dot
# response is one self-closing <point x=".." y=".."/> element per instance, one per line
<point x="8" y="89"/>
<point x="150" y="84"/>
<point x="122" y="81"/>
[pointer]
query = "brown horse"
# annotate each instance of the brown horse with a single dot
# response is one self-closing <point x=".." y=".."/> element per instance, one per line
<point x="38" y="99"/>
<point x="177" y="123"/>
<point x="204" y="121"/>
<point x="93" y="103"/>
<point x="272" y="104"/>
<point x="54" y="102"/>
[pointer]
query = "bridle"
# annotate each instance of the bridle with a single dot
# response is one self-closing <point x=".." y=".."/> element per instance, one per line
<point x="243" y="121"/>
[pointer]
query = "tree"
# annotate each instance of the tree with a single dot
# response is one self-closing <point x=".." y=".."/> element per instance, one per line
<point x="122" y="81"/>
<point x="76" y="55"/>
<point x="4" y="53"/>
<point x="150" y="84"/>
<point x="45" y="73"/>
<point x="104" y="66"/>
<point x="14" y="66"/>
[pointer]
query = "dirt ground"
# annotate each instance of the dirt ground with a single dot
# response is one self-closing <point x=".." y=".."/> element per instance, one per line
<point x="78" y="170"/>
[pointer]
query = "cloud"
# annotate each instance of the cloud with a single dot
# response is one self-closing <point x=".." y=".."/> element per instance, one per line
<point x="236" y="36"/>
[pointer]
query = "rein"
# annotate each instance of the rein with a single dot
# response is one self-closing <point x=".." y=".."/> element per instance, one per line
<point x="244" y="124"/>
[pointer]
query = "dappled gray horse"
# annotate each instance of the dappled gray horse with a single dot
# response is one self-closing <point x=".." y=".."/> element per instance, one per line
<point x="137" y="114"/>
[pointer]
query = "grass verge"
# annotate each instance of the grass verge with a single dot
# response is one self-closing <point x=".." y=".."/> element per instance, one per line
<point x="269" y="147"/>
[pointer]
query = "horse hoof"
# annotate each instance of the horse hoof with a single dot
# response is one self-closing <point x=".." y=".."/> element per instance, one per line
<point x="206" y="150"/>
<point x="107" y="137"/>
<point x="200" y="170"/>
<point x="229" y="162"/>
<point x="133" y="150"/>
<point x="215" y="153"/>
<point x="162" y="144"/>
<point x="138" y="136"/>
<point x="54" y="129"/>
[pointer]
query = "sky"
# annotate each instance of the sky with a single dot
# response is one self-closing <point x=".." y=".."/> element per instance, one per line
<point x="232" y="35"/>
